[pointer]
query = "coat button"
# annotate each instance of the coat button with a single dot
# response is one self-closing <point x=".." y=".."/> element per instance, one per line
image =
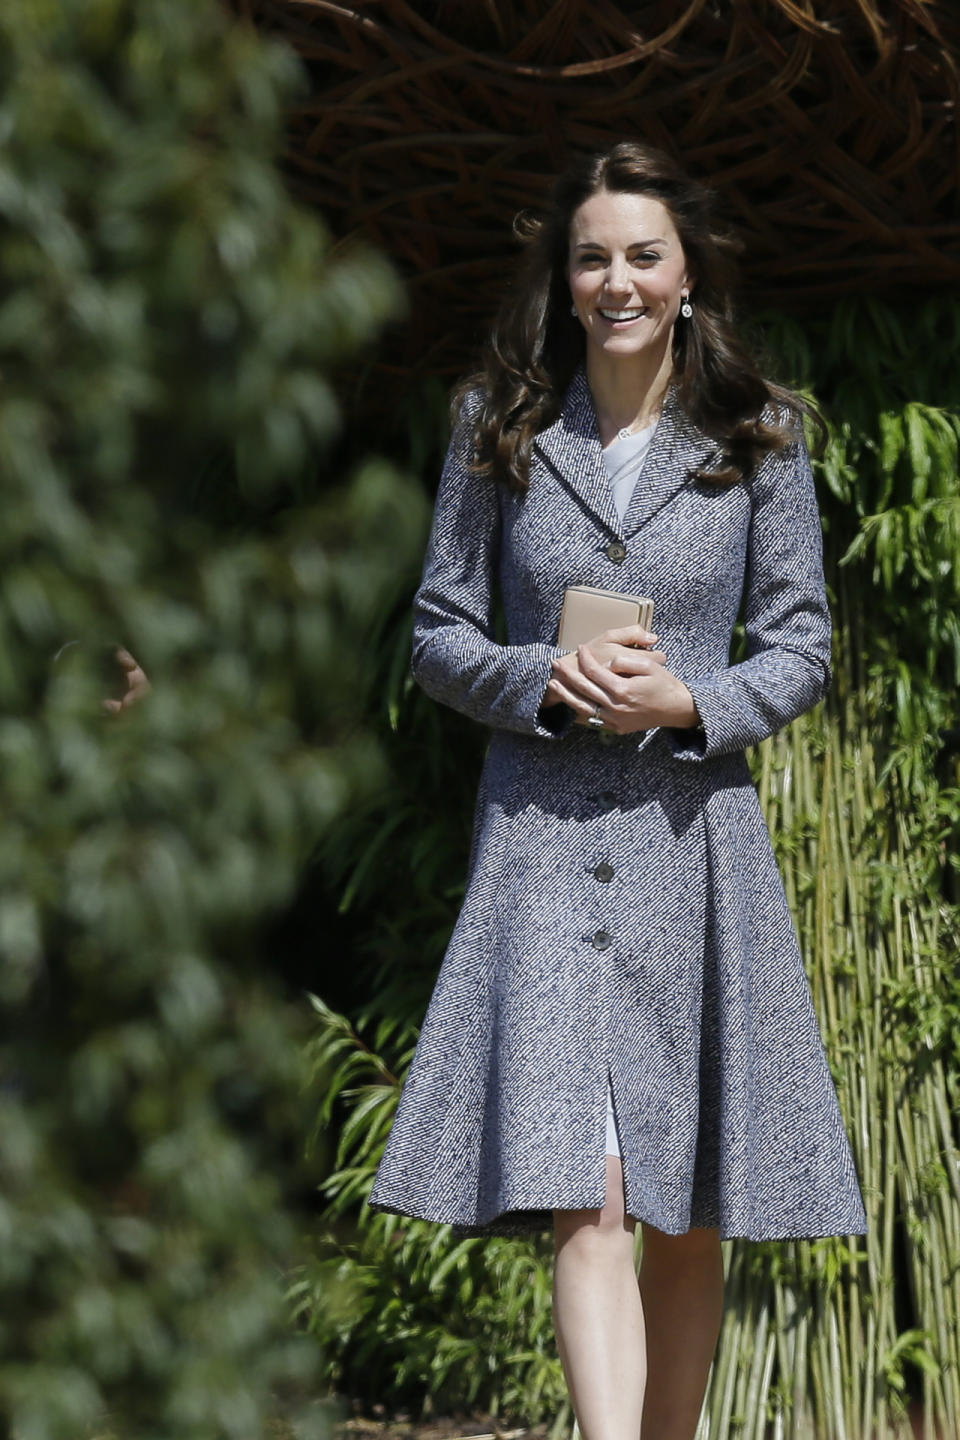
<point x="608" y="798"/>
<point x="604" y="873"/>
<point x="602" y="939"/>
<point x="617" y="552"/>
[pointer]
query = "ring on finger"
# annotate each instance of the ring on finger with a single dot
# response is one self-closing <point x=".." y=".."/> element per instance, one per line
<point x="596" y="718"/>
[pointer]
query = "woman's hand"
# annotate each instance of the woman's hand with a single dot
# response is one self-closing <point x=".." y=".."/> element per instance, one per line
<point x="620" y="678"/>
<point x="135" y="680"/>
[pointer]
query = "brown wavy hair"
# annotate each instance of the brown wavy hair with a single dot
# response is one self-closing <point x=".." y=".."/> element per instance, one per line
<point x="536" y="344"/>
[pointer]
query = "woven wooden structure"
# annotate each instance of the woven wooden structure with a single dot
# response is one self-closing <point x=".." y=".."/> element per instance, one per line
<point x="830" y="126"/>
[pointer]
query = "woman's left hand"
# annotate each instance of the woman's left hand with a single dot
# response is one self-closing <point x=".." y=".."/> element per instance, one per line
<point x="632" y="691"/>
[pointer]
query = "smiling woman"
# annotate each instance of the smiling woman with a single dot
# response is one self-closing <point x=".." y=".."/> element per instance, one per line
<point x="622" y="1030"/>
<point x="629" y="271"/>
<point x="627" y="294"/>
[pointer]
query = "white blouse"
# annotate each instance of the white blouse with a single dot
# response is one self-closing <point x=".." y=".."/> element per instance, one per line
<point x="623" y="459"/>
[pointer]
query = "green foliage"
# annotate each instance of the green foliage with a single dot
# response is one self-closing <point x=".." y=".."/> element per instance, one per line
<point x="910" y="540"/>
<point x="874" y="1322"/>
<point x="409" y="1312"/>
<point x="168" y="324"/>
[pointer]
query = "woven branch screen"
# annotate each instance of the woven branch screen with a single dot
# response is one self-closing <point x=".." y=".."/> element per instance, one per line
<point x="829" y="126"/>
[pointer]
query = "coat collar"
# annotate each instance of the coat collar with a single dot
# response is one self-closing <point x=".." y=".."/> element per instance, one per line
<point x="571" y="446"/>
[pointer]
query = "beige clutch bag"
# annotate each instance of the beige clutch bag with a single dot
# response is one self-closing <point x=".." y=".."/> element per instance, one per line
<point x="588" y="611"/>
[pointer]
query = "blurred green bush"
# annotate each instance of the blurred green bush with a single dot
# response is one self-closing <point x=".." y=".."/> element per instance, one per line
<point x="169" y="320"/>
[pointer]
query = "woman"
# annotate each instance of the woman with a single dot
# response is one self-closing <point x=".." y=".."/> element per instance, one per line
<point x="622" y="1028"/>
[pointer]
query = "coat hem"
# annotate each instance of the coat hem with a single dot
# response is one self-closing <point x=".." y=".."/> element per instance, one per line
<point x="527" y="1223"/>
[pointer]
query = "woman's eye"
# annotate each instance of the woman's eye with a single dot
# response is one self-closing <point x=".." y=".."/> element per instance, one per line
<point x="645" y="257"/>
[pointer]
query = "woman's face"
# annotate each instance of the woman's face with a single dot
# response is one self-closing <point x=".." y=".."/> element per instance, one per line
<point x="627" y="272"/>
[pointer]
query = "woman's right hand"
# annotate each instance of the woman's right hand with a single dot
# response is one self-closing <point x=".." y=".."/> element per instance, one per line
<point x="625" y="651"/>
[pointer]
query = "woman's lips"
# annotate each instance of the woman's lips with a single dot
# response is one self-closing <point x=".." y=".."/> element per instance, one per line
<point x="620" y="319"/>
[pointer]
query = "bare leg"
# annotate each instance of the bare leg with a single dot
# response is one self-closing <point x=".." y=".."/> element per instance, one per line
<point x="598" y="1315"/>
<point x="681" y="1283"/>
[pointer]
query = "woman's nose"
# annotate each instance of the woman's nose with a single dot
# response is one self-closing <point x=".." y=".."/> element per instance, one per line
<point x="617" y="281"/>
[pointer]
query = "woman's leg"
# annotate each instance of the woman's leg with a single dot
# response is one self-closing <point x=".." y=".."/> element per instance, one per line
<point x="681" y="1285"/>
<point x="598" y="1315"/>
<point x="610" y="1330"/>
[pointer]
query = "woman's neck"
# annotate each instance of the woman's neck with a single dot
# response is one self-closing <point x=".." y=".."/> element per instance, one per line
<point x="627" y="390"/>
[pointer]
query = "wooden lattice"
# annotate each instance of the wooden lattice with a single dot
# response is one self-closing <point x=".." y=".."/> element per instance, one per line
<point x="830" y="126"/>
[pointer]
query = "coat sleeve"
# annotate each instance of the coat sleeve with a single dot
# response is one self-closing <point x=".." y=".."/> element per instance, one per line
<point x="785" y="615"/>
<point x="456" y="658"/>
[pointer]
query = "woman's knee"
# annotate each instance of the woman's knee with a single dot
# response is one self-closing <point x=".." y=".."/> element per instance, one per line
<point x="602" y="1226"/>
<point x="696" y="1246"/>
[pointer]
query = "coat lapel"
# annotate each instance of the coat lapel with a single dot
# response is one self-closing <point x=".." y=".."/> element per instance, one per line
<point x="571" y="446"/>
<point x="677" y="448"/>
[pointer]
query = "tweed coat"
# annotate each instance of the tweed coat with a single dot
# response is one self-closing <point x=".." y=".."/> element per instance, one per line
<point x="624" y="915"/>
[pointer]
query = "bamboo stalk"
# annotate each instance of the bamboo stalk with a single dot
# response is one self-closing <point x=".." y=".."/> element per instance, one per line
<point x="752" y="1401"/>
<point x="763" y="1394"/>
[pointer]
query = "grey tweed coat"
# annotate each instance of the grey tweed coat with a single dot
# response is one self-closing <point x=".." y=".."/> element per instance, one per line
<point x="624" y="914"/>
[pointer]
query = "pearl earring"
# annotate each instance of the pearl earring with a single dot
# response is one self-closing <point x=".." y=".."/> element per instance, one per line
<point x="686" y="309"/>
